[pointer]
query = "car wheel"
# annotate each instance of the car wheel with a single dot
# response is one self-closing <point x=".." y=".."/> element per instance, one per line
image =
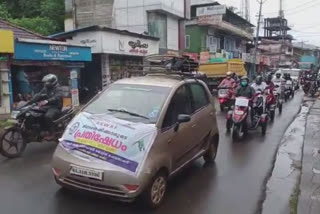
<point x="155" y="193"/>
<point x="211" y="154"/>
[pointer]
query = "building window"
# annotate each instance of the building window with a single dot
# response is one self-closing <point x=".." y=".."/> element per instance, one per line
<point x="188" y="42"/>
<point x="212" y="44"/>
<point x="157" y="27"/>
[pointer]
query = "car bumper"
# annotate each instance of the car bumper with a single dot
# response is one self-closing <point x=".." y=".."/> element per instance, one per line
<point x="111" y="185"/>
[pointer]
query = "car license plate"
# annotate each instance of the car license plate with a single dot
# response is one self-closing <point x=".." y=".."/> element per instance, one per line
<point x="85" y="172"/>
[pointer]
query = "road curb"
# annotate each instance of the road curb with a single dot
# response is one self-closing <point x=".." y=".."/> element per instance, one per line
<point x="287" y="167"/>
<point x="309" y="198"/>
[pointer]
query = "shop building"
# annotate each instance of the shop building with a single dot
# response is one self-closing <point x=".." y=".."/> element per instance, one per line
<point x="164" y="19"/>
<point x="115" y="53"/>
<point x="34" y="59"/>
<point x="217" y="31"/>
<point x="35" y="56"/>
<point x="6" y="53"/>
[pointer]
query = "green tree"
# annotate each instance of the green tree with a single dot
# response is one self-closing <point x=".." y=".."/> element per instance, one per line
<point x="4" y="13"/>
<point x="41" y="25"/>
<point x="41" y="16"/>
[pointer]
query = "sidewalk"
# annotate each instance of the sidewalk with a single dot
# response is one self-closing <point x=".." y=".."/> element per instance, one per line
<point x="309" y="198"/>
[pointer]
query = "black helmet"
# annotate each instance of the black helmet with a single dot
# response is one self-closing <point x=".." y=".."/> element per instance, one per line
<point x="50" y="81"/>
<point x="244" y="81"/>
<point x="259" y="80"/>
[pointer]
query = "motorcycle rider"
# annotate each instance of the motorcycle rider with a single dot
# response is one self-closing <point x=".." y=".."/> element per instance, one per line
<point x="269" y="82"/>
<point x="50" y="99"/>
<point x="278" y="80"/>
<point x="228" y="82"/>
<point x="245" y="90"/>
<point x="259" y="84"/>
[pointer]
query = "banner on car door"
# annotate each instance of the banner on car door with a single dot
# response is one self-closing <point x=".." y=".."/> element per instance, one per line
<point x="105" y="138"/>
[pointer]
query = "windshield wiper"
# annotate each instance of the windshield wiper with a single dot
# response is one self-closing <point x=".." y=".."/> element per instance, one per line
<point x="128" y="112"/>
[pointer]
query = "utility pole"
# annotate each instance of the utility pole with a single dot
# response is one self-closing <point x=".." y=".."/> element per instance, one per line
<point x="254" y="70"/>
<point x="281" y="13"/>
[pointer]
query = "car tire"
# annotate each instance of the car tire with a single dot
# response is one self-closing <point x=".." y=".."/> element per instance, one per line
<point x="157" y="186"/>
<point x="211" y="153"/>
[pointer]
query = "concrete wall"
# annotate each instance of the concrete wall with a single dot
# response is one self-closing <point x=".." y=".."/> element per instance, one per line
<point x="83" y="13"/>
<point x="198" y="38"/>
<point x="4" y="91"/>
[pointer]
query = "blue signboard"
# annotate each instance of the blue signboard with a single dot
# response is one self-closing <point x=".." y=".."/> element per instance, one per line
<point x="49" y="52"/>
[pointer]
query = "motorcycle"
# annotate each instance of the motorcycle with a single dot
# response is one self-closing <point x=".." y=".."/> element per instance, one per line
<point x="310" y="87"/>
<point x="237" y="119"/>
<point x="271" y="104"/>
<point x="288" y="90"/>
<point x="225" y="98"/>
<point x="28" y="128"/>
<point x="277" y="94"/>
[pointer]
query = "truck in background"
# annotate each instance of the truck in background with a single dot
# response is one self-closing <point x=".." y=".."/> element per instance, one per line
<point x="217" y="71"/>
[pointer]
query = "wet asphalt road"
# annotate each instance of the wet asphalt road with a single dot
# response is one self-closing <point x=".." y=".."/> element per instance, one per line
<point x="234" y="185"/>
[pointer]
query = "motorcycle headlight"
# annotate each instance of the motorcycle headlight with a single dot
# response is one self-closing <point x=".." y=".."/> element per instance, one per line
<point x="14" y="114"/>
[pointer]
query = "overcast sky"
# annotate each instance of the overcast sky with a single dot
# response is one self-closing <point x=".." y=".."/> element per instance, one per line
<point x="303" y="16"/>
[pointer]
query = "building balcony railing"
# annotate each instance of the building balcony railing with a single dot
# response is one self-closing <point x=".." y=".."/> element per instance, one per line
<point x="216" y="21"/>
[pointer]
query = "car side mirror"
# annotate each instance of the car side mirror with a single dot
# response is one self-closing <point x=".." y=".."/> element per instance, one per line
<point x="182" y="118"/>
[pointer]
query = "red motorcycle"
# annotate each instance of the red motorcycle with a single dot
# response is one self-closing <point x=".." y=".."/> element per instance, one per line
<point x="237" y="120"/>
<point x="271" y="103"/>
<point x="226" y="98"/>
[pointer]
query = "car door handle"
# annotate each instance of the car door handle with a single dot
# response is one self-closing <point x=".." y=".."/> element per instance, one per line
<point x="169" y="141"/>
<point x="194" y="125"/>
<point x="211" y="113"/>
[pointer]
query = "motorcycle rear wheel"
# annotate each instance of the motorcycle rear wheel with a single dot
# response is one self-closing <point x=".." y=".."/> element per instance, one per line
<point x="272" y="115"/>
<point x="238" y="132"/>
<point x="280" y="108"/>
<point x="12" y="138"/>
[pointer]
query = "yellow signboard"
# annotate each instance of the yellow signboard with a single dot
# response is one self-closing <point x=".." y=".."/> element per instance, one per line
<point x="6" y="41"/>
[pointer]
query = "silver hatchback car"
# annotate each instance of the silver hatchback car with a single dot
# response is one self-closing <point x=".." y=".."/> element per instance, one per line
<point x="135" y="135"/>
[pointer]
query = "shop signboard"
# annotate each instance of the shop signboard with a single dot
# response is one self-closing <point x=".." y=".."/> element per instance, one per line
<point x="212" y="10"/>
<point x="6" y="42"/>
<point x="49" y="52"/>
<point x="210" y="20"/>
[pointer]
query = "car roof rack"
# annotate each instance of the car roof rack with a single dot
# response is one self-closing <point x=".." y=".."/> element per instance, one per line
<point x="174" y="65"/>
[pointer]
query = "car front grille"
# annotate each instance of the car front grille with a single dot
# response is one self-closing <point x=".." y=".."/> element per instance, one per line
<point x="93" y="187"/>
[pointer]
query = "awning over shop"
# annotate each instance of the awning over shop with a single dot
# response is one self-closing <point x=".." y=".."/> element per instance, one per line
<point x="43" y="50"/>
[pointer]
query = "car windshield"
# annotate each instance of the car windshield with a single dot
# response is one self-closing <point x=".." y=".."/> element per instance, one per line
<point x="137" y="103"/>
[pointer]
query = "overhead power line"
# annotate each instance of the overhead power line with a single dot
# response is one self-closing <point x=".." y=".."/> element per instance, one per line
<point x="298" y="7"/>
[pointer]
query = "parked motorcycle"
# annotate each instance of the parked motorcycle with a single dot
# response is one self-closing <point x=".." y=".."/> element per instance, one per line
<point x="288" y="90"/>
<point x="237" y="120"/>
<point x="225" y="96"/>
<point x="28" y="128"/>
